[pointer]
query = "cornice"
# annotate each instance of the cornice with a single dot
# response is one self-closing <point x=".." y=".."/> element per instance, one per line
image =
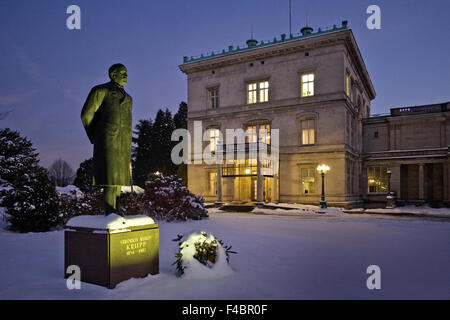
<point x="267" y="52"/>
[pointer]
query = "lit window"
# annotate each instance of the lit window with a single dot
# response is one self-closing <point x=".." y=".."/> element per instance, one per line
<point x="347" y="84"/>
<point x="214" y="97"/>
<point x="377" y="179"/>
<point x="308" y="180"/>
<point x="264" y="91"/>
<point x="251" y="134"/>
<point x="267" y="168"/>
<point x="307" y="84"/>
<point x="264" y="133"/>
<point x="352" y="91"/>
<point x="308" y="131"/>
<point x="257" y="92"/>
<point x="213" y="139"/>
<point x="213" y="183"/>
<point x="252" y="93"/>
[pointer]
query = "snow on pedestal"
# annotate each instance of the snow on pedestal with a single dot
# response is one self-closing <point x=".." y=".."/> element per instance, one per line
<point x="129" y="189"/>
<point x="109" y="222"/>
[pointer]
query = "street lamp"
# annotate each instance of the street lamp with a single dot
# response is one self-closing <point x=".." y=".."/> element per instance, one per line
<point x="323" y="168"/>
<point x="390" y="198"/>
<point x="389" y="182"/>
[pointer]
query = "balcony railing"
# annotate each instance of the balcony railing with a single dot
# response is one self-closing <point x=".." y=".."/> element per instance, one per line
<point x="419" y="109"/>
<point x="244" y="147"/>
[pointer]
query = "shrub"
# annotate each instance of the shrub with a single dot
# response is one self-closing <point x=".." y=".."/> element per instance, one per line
<point x="166" y="198"/>
<point x="71" y="205"/>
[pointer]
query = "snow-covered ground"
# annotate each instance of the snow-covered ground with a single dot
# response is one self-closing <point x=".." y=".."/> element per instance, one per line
<point x="311" y="210"/>
<point x="297" y="209"/>
<point x="409" y="209"/>
<point x="279" y="257"/>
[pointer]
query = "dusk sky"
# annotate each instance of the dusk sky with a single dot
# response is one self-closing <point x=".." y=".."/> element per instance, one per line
<point x="48" y="70"/>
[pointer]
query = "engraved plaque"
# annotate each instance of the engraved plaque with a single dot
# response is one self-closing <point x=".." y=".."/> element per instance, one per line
<point x="108" y="257"/>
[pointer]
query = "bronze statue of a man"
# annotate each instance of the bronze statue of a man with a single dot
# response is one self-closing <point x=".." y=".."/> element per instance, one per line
<point x="106" y="117"/>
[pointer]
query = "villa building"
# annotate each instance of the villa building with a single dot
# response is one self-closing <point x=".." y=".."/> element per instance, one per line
<point x="413" y="144"/>
<point x="315" y="89"/>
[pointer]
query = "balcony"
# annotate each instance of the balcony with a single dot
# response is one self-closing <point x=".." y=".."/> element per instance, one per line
<point x="244" y="147"/>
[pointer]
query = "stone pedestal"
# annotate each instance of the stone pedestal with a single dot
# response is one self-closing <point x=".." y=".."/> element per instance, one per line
<point x="390" y="201"/>
<point x="109" y="253"/>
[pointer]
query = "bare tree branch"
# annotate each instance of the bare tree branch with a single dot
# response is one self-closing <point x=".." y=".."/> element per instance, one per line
<point x="61" y="172"/>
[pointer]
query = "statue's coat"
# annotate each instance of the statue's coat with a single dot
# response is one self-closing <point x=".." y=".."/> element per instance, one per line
<point x="106" y="117"/>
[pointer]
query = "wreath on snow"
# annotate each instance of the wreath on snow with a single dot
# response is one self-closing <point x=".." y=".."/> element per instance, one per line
<point x="200" y="247"/>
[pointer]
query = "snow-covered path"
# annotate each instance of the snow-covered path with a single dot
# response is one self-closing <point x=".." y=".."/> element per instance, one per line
<point x="278" y="258"/>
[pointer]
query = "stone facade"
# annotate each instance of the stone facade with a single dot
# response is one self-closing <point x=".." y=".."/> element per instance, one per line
<point x="335" y="112"/>
<point x="413" y="143"/>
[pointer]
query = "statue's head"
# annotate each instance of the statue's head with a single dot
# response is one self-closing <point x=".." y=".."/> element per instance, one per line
<point x="118" y="74"/>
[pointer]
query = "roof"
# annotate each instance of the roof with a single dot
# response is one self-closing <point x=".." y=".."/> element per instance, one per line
<point x="250" y="46"/>
<point x="287" y="44"/>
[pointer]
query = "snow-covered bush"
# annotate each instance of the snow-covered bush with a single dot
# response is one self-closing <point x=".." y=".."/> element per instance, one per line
<point x="166" y="198"/>
<point x="202" y="256"/>
<point x="70" y="191"/>
<point x="27" y="192"/>
<point x="74" y="203"/>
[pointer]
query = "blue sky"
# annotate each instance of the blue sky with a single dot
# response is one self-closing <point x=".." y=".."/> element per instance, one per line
<point x="48" y="70"/>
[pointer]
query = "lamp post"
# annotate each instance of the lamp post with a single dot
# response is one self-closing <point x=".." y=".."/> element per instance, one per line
<point x="390" y="198"/>
<point x="389" y="181"/>
<point x="323" y="168"/>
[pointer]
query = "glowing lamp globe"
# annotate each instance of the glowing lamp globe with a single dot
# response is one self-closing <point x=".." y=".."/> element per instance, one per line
<point x="323" y="168"/>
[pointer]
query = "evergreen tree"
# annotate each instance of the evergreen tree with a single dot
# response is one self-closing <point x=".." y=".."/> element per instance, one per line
<point x="143" y="155"/>
<point x="180" y="120"/>
<point x="16" y="156"/>
<point x="161" y="142"/>
<point x="153" y="145"/>
<point x="27" y="192"/>
<point x="182" y="173"/>
<point x="84" y="175"/>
